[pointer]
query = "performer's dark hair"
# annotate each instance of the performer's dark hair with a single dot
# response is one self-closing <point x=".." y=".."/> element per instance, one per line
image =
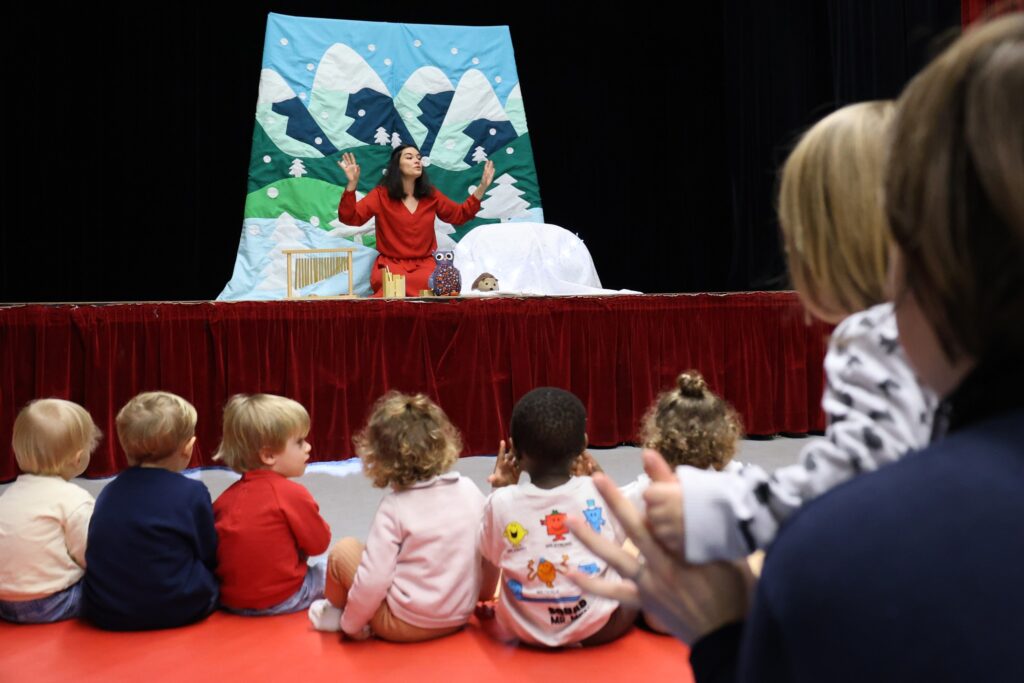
<point x="392" y="179"/>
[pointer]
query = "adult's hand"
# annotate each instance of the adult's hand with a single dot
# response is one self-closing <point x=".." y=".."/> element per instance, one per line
<point x="485" y="180"/>
<point x="690" y="600"/>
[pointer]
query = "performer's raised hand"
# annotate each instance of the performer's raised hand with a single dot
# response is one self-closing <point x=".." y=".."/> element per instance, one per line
<point x="485" y="179"/>
<point x="351" y="168"/>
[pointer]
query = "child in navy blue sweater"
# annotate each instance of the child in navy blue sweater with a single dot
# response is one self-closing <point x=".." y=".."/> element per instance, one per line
<point x="152" y="547"/>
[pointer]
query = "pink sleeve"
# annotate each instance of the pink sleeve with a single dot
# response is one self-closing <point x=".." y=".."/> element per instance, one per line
<point x="376" y="568"/>
<point x="355" y="213"/>
<point x="453" y="213"/>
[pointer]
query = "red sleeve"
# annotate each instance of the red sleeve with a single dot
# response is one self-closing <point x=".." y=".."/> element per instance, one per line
<point x="303" y="514"/>
<point x="352" y="213"/>
<point x="453" y="213"/>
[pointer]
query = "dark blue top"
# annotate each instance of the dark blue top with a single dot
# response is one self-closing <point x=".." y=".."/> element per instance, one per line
<point x="151" y="553"/>
<point x="911" y="573"/>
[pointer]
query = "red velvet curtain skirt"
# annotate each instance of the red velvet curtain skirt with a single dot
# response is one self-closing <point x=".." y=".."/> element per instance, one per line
<point x="475" y="357"/>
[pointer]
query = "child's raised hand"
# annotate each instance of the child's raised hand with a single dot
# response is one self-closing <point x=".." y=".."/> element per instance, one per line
<point x="506" y="469"/>
<point x="585" y="465"/>
<point x="664" y="500"/>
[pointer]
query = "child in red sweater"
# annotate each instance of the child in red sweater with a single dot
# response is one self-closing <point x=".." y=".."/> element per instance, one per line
<point x="267" y="525"/>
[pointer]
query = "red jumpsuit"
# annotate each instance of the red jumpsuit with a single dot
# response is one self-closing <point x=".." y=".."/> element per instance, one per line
<point x="405" y="239"/>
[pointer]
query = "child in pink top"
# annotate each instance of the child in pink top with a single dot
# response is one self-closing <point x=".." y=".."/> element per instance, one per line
<point x="420" y="574"/>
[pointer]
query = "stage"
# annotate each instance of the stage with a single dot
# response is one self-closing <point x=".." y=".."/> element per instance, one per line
<point x="474" y="356"/>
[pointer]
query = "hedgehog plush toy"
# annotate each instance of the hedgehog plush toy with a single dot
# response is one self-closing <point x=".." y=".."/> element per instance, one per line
<point x="486" y="283"/>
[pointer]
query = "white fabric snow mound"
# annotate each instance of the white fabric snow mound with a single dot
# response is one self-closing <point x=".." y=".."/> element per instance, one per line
<point x="528" y="258"/>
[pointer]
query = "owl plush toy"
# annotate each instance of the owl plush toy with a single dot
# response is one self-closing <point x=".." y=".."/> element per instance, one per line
<point x="445" y="280"/>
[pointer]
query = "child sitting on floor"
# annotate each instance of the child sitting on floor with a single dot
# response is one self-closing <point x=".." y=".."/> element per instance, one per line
<point x="267" y="525"/>
<point x="44" y="519"/>
<point x="420" y="575"/>
<point x="152" y="546"/>
<point x="688" y="425"/>
<point x="524" y="530"/>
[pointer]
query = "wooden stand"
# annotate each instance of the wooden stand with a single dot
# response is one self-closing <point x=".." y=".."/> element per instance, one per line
<point x="309" y="266"/>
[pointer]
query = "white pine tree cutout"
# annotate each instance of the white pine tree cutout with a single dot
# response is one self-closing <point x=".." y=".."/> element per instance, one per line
<point x="479" y="155"/>
<point x="395" y="140"/>
<point x="503" y="200"/>
<point x="298" y="169"/>
<point x="382" y="137"/>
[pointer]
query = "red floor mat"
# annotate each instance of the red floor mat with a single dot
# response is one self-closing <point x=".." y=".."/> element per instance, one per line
<point x="227" y="648"/>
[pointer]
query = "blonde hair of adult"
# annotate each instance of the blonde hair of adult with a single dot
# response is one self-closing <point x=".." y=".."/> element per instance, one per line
<point x="832" y="212"/>
<point x="691" y="425"/>
<point x="49" y="432"/>
<point x="154" y="425"/>
<point x="407" y="439"/>
<point x="257" y="422"/>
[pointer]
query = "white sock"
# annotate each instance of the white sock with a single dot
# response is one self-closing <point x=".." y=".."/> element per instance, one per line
<point x="324" y="616"/>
